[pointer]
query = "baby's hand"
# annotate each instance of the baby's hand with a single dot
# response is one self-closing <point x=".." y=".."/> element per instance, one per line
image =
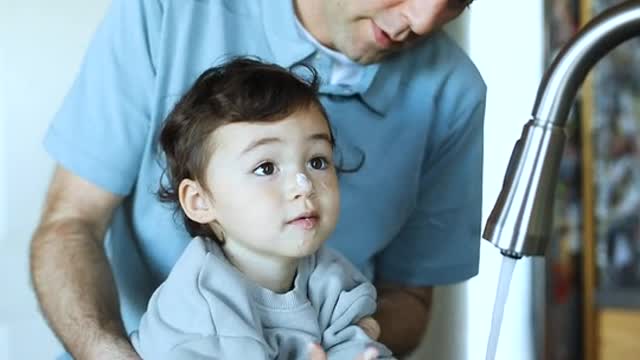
<point x="317" y="353"/>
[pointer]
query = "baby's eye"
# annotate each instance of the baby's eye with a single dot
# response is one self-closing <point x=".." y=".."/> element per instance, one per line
<point x="319" y="163"/>
<point x="265" y="169"/>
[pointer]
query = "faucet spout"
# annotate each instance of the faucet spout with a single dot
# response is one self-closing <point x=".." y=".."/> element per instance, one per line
<point x="520" y="222"/>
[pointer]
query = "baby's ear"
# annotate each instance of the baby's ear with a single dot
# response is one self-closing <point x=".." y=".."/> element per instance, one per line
<point x="195" y="203"/>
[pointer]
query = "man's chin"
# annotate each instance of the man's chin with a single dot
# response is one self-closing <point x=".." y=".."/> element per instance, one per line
<point x="370" y="57"/>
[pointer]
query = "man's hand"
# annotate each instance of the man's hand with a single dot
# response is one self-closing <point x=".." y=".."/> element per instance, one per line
<point x="317" y="353"/>
<point x="403" y="314"/>
<point x="370" y="327"/>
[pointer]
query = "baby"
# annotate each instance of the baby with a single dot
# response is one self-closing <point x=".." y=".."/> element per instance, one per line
<point x="249" y="156"/>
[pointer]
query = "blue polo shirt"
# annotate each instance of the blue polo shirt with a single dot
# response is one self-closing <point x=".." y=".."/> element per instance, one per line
<point x="411" y="214"/>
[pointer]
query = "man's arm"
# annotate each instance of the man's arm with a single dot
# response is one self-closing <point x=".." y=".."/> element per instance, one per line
<point x="403" y="315"/>
<point x="70" y="272"/>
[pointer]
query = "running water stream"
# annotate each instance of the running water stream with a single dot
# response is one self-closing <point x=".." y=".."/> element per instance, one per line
<point x="506" y="272"/>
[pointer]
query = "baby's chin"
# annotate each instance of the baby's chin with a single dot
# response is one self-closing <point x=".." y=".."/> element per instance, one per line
<point x="306" y="247"/>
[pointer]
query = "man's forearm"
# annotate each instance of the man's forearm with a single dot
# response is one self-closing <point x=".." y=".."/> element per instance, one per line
<point x="75" y="288"/>
<point x="403" y="317"/>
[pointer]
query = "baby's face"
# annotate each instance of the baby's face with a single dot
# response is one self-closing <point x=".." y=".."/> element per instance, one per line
<point x="273" y="184"/>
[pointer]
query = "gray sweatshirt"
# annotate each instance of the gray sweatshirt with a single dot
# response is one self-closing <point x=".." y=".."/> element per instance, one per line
<point x="207" y="309"/>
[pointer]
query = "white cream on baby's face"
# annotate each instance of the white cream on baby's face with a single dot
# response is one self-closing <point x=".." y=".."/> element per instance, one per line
<point x="273" y="184"/>
<point x="304" y="184"/>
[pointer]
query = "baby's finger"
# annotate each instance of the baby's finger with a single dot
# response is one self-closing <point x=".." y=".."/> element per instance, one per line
<point x="369" y="354"/>
<point x="316" y="352"/>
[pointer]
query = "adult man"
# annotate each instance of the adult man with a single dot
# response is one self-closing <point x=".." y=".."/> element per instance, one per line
<point x="396" y="90"/>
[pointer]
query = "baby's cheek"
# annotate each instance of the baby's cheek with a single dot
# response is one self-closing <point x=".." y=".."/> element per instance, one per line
<point x="252" y="209"/>
<point x="329" y="190"/>
<point x="260" y="223"/>
<point x="328" y="182"/>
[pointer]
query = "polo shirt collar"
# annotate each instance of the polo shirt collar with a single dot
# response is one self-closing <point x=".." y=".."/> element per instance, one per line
<point x="381" y="90"/>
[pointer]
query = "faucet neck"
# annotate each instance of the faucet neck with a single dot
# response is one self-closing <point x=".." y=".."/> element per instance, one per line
<point x="560" y="83"/>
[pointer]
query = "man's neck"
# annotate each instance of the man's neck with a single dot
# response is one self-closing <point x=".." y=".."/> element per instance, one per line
<point x="312" y="17"/>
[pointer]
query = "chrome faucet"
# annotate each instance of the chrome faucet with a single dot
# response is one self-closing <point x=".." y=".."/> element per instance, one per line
<point x="520" y="222"/>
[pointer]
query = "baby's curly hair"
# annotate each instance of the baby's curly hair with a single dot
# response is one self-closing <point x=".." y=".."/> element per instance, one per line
<point x="241" y="90"/>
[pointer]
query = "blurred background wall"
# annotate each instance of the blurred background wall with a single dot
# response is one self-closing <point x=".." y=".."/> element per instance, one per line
<point x="41" y="46"/>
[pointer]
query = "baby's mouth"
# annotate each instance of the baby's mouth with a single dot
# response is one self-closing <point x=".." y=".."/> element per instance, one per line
<point x="306" y="221"/>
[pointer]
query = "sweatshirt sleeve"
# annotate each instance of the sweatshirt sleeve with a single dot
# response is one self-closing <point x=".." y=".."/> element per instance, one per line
<point x="342" y="295"/>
